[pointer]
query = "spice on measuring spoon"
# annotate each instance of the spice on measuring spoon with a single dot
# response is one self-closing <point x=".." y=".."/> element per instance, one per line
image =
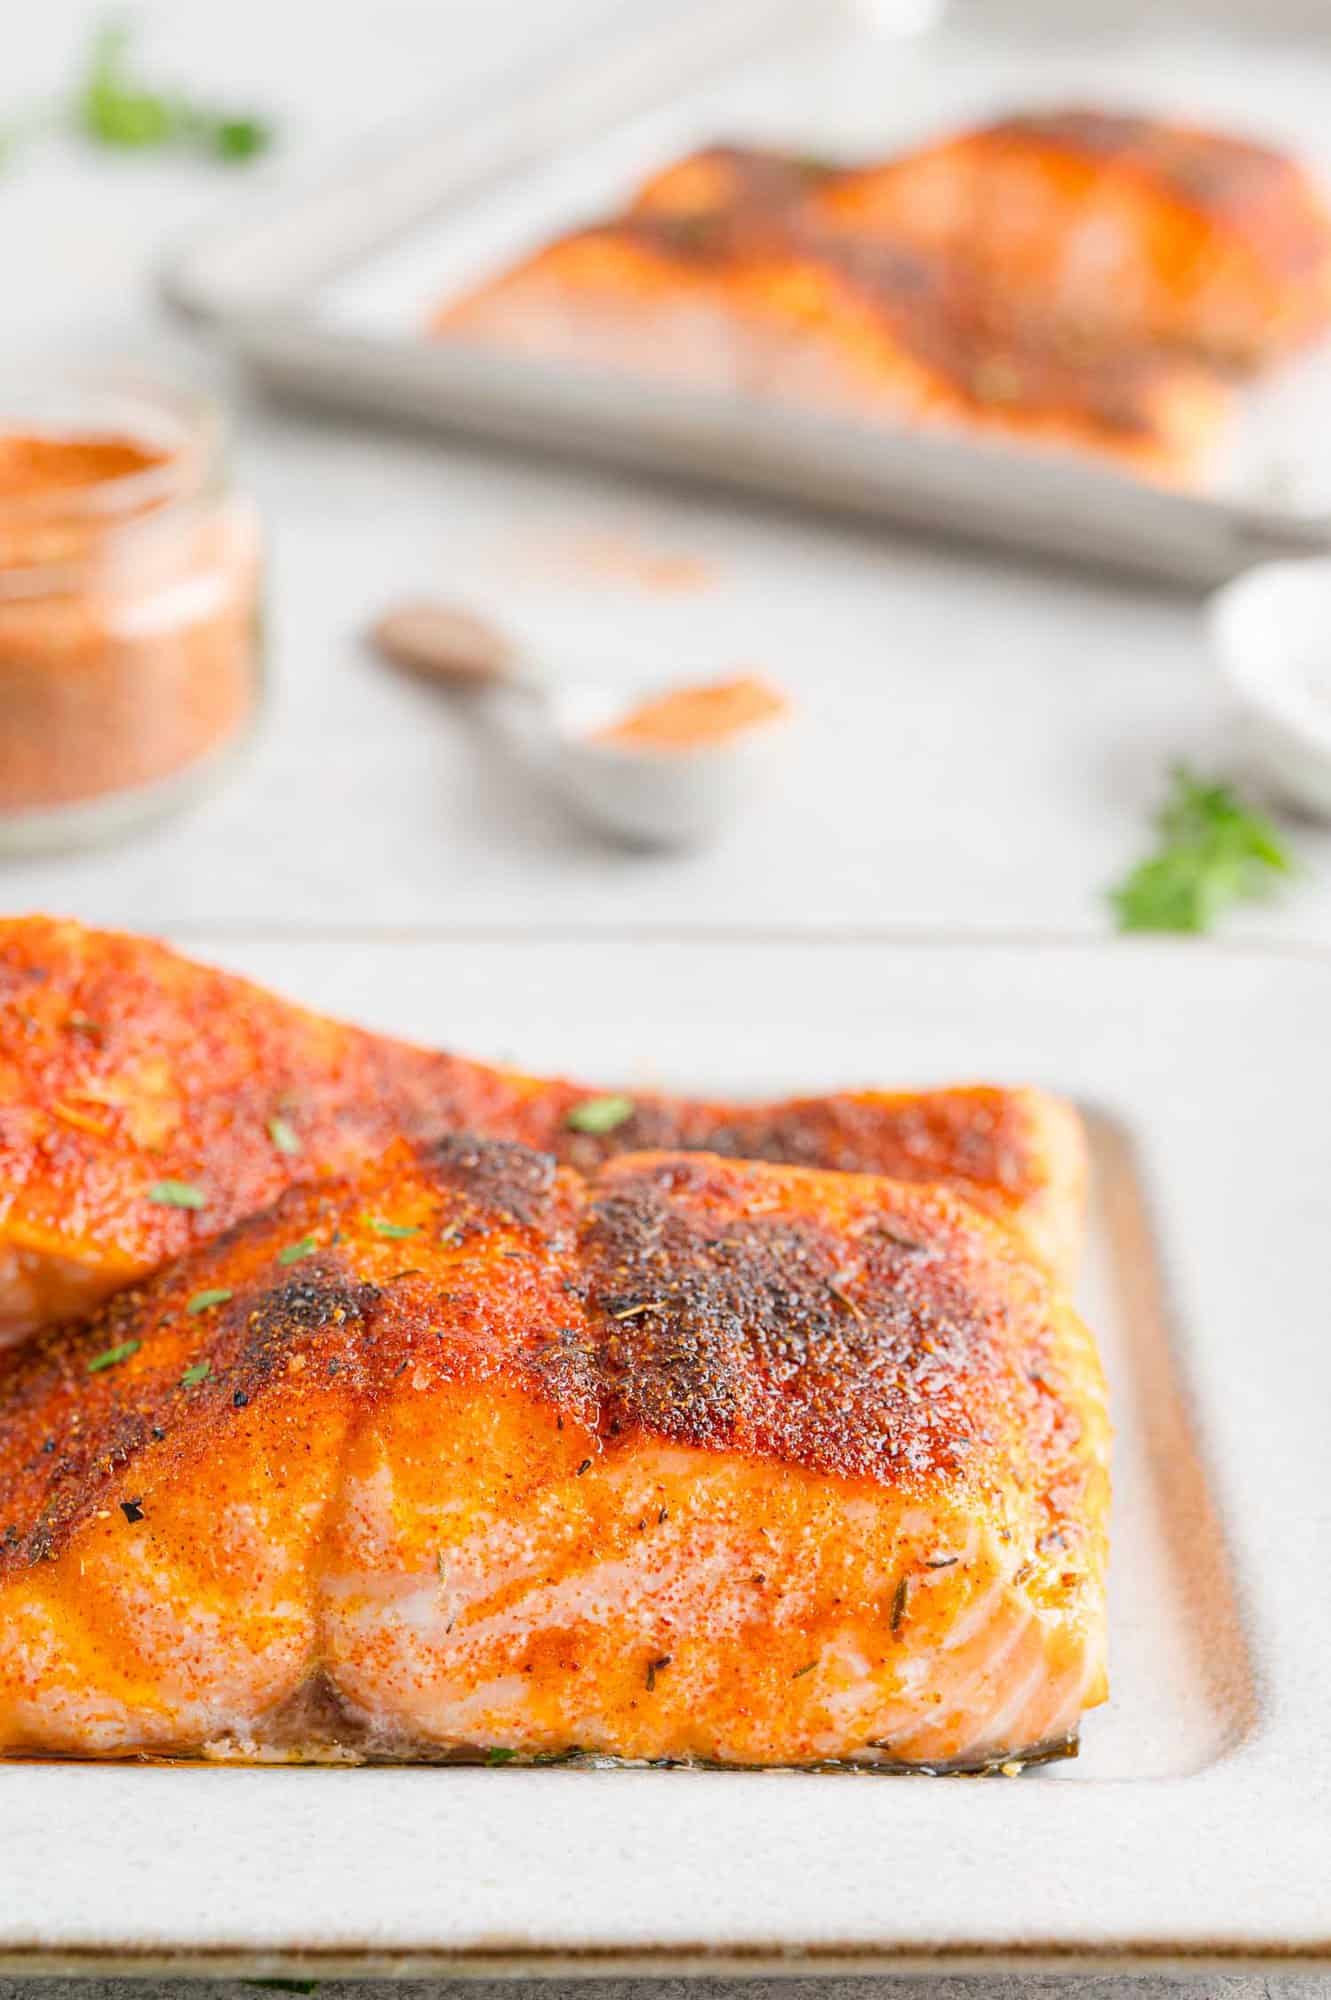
<point x="691" y="716"/>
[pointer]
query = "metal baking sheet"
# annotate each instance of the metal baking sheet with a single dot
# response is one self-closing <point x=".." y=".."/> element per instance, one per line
<point x="326" y="298"/>
<point x="1193" y="1829"/>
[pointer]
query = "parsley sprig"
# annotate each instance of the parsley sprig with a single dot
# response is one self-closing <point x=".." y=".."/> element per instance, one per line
<point x="114" y="106"/>
<point x="1214" y="850"/>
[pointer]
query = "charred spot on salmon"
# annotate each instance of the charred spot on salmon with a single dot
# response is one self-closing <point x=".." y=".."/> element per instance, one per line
<point x="131" y="1510"/>
<point x="280" y="1319"/>
<point x="54" y="1493"/>
<point x="726" y="1330"/>
<point x="655" y="1667"/>
<point x="498" y="1175"/>
<point x="847" y="1133"/>
<point x="565" y="1367"/>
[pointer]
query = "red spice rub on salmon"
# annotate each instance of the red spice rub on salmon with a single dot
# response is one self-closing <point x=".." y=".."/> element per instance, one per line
<point x="696" y="1460"/>
<point x="133" y="1079"/>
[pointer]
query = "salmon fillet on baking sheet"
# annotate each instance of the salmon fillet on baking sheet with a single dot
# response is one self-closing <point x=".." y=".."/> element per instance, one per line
<point x="690" y="1459"/>
<point x="147" y="1102"/>
<point x="741" y="302"/>
<point x="1109" y="228"/>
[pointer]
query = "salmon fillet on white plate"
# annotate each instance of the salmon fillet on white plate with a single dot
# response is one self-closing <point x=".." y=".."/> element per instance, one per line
<point x="690" y="1460"/>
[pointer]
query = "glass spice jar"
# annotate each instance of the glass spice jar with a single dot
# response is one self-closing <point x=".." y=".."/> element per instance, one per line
<point x="130" y="660"/>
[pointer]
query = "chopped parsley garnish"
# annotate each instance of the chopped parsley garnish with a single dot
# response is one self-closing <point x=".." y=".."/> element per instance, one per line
<point x="500" y="1756"/>
<point x="202" y="1300"/>
<point x="111" y="1357"/>
<point x="807" y="1668"/>
<point x="283" y="1135"/>
<point x="197" y="1372"/>
<point x="1213" y="850"/>
<point x="295" y="1251"/>
<point x="397" y="1230"/>
<point x="177" y="1194"/>
<point x="599" y="1114"/>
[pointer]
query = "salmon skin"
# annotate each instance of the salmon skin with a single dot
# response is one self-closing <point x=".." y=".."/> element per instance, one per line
<point x="146" y="1102"/>
<point x="750" y="302"/>
<point x="690" y="1460"/>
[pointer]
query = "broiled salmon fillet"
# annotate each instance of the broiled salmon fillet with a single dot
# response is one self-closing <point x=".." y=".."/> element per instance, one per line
<point x="744" y="303"/>
<point x="694" y="1459"/>
<point x="1109" y="229"/>
<point x="146" y="1102"/>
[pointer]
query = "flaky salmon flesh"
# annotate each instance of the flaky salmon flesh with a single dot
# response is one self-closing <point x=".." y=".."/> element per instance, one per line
<point x="146" y="1102"/>
<point x="688" y="1459"/>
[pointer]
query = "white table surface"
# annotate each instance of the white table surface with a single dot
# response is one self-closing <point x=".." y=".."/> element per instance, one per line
<point x="982" y="738"/>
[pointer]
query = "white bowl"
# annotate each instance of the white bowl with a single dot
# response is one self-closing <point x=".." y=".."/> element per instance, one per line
<point x="1271" y="630"/>
<point x="658" y="798"/>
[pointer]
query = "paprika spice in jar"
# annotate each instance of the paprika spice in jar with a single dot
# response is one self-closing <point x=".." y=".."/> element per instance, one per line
<point x="129" y="590"/>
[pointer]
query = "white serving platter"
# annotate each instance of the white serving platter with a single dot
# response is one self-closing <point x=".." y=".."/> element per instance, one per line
<point x="325" y="295"/>
<point x="1196" y="1826"/>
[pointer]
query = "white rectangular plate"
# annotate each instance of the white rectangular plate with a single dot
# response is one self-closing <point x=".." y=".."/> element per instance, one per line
<point x="1197" y="1823"/>
<point x="329" y="296"/>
